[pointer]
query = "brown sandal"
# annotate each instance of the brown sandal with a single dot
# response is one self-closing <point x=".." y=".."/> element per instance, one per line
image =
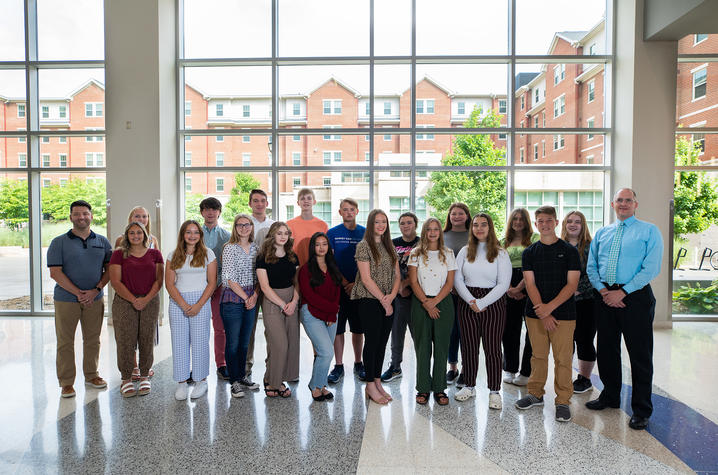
<point x="441" y="399"/>
<point x="422" y="398"/>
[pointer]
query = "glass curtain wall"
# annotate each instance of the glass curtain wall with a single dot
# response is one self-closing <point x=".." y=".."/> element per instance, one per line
<point x="52" y="126"/>
<point x="404" y="105"/>
<point x="695" y="194"/>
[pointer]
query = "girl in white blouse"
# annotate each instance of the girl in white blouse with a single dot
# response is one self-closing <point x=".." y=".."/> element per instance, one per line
<point x="431" y="275"/>
<point x="190" y="278"/>
<point x="482" y="278"/>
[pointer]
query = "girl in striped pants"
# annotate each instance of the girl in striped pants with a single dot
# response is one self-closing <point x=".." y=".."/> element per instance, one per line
<point x="482" y="278"/>
<point x="190" y="278"/>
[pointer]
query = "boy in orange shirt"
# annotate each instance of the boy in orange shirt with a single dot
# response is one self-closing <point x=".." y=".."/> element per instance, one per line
<point x="304" y="225"/>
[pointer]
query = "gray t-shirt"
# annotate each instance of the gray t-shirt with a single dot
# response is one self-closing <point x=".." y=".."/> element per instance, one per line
<point x="82" y="260"/>
<point x="455" y="240"/>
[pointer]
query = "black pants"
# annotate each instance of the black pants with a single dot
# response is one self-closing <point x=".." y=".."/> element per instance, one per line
<point x="454" y="339"/>
<point x="376" y="326"/>
<point x="512" y="332"/>
<point x="585" y="330"/>
<point x="635" y="323"/>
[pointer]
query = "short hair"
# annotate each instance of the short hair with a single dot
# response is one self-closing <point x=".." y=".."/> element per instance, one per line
<point x="411" y="215"/>
<point x="351" y="201"/>
<point x="635" y="196"/>
<point x="80" y="203"/>
<point x="306" y="191"/>
<point x="210" y="203"/>
<point x="546" y="209"/>
<point x="257" y="191"/>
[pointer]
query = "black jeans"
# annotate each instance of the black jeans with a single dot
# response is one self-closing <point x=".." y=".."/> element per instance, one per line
<point x="585" y="330"/>
<point x="376" y="326"/>
<point x="635" y="323"/>
<point x="512" y="332"/>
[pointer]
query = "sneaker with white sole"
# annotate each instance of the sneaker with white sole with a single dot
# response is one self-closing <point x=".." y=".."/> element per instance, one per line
<point x="248" y="383"/>
<point x="237" y="389"/>
<point x="520" y="380"/>
<point x="200" y="389"/>
<point x="509" y="377"/>
<point x="494" y="401"/>
<point x="528" y="402"/>
<point x="563" y="413"/>
<point x="182" y="391"/>
<point x="465" y="393"/>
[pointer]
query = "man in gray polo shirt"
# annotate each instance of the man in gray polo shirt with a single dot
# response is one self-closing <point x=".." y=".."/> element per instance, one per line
<point x="78" y="264"/>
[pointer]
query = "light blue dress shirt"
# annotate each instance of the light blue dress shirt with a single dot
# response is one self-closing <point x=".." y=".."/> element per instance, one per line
<point x="639" y="260"/>
<point x="215" y="239"/>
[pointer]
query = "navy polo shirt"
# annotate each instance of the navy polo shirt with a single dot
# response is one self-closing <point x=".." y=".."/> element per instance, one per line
<point x="82" y="261"/>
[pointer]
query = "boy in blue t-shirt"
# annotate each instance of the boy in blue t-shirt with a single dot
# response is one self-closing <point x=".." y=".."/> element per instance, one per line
<point x="343" y="239"/>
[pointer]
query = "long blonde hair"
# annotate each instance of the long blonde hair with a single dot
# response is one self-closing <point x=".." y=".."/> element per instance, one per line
<point x="492" y="242"/>
<point x="584" y="239"/>
<point x="180" y="254"/>
<point x="125" y="244"/>
<point x="132" y="215"/>
<point x="422" y="248"/>
<point x="269" y="252"/>
<point x="234" y="237"/>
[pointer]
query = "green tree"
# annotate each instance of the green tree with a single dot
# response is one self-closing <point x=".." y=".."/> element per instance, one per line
<point x="14" y="211"/>
<point x="695" y="194"/>
<point x="191" y="206"/>
<point x="239" y="196"/>
<point x="56" y="199"/>
<point x="481" y="191"/>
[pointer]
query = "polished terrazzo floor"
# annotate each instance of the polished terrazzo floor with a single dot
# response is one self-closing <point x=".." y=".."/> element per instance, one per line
<point x="99" y="431"/>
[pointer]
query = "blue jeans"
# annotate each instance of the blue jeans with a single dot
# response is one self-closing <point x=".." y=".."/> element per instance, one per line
<point x="238" y="323"/>
<point x="322" y="337"/>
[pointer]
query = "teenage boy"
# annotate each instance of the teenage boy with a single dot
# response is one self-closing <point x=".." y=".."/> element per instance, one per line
<point x="343" y="238"/>
<point x="551" y="269"/>
<point x="402" y="303"/>
<point x="258" y="202"/>
<point x="305" y="225"/>
<point x="215" y="237"/>
<point x="78" y="263"/>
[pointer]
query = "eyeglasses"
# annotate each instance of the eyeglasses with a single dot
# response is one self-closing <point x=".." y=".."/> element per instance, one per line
<point x="243" y="225"/>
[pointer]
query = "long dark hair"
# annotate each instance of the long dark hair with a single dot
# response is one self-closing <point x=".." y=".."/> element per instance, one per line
<point x="492" y="242"/>
<point x="316" y="275"/>
<point x="465" y="208"/>
<point x="525" y="234"/>
<point x="385" y="238"/>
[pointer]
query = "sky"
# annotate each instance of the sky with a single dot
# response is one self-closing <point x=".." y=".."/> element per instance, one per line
<point x="73" y="29"/>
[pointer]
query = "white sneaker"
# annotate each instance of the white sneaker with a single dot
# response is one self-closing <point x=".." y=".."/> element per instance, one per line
<point x="199" y="389"/>
<point x="509" y="377"/>
<point x="521" y="380"/>
<point x="465" y="393"/>
<point x="494" y="401"/>
<point x="182" y="391"/>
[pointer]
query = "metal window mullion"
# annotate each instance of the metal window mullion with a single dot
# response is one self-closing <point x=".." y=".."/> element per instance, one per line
<point x="371" y="104"/>
<point x="180" y="98"/>
<point x="412" y="109"/>
<point x="510" y="136"/>
<point x="275" y="102"/>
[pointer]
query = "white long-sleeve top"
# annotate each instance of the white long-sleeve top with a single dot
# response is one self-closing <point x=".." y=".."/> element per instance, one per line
<point x="484" y="274"/>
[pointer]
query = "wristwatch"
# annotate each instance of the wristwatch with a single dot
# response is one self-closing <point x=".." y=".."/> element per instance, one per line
<point x="98" y="289"/>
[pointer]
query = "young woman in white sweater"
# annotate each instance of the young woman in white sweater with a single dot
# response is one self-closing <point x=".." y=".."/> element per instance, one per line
<point x="482" y="278"/>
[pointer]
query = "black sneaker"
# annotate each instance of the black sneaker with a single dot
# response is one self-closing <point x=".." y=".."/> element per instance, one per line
<point x="237" y="389"/>
<point x="190" y="380"/>
<point x="248" y="383"/>
<point x="391" y="374"/>
<point x="581" y="385"/>
<point x="563" y="413"/>
<point x="222" y="373"/>
<point x="529" y="401"/>
<point x="460" y="382"/>
<point x="336" y="374"/>
<point x="360" y="371"/>
<point x="451" y="376"/>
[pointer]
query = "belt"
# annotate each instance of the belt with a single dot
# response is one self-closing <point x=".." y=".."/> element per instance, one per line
<point x="613" y="287"/>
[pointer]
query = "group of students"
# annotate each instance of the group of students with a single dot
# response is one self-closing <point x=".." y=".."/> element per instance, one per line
<point x="456" y="286"/>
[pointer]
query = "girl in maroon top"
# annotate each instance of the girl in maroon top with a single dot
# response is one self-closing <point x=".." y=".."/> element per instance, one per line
<point x="320" y="282"/>
<point x="136" y="273"/>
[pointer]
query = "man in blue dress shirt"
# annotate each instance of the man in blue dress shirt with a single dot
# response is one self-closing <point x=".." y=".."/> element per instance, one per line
<point x="625" y="256"/>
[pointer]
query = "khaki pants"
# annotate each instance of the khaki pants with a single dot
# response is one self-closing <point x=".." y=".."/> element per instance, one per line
<point x="67" y="314"/>
<point x="561" y="341"/>
<point x="282" y="333"/>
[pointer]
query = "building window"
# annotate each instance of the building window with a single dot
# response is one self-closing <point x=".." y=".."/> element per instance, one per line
<point x="45" y="160"/>
<point x="219" y="159"/>
<point x="63" y="182"/>
<point x="367" y="156"/>
<point x="461" y="108"/>
<point x="523" y="101"/>
<point x="699" y="83"/>
<point x="296" y="159"/>
<point x="590" y="123"/>
<point x="558" y="142"/>
<point x="502" y="136"/>
<point x="699" y="37"/>
<point x="332" y="107"/>
<point x="559" y="73"/>
<point x="591" y="91"/>
<point x="246" y="159"/>
<point x="187" y="108"/>
<point x="96" y="159"/>
<point x="592" y="49"/>
<point x="219" y="183"/>
<point x="502" y="106"/>
<point x="93" y="109"/>
<point x="20" y="111"/>
<point x="188" y="159"/>
<point x="290" y="211"/>
<point x="21" y="159"/>
<point x="245" y="110"/>
<point x="521" y="155"/>
<point x="589" y="160"/>
<point x="536" y="122"/>
<point x="537" y="95"/>
<point x="699" y="142"/>
<point x="296" y="182"/>
<point x="559" y="106"/>
<point x="535" y="152"/>
<point x="62" y="139"/>
<point x="47" y="139"/>
<point x="355" y="177"/>
<point x="219" y="110"/>
<point x="45" y="112"/>
<point x="246" y="139"/>
<point x="543" y="148"/>
<point x="63" y="160"/>
<point x="296" y="138"/>
<point x="543" y="119"/>
<point x="188" y="184"/>
<point x="367" y="108"/>
<point x="332" y="137"/>
<point x="63" y="112"/>
<point x="323" y="211"/>
<point x="425" y="106"/>
<point x="425" y="136"/>
<point x="327" y="181"/>
<point x="387" y="108"/>
<point x="327" y="156"/>
<point x="45" y="182"/>
<point x="387" y="137"/>
<point x="296" y="109"/>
